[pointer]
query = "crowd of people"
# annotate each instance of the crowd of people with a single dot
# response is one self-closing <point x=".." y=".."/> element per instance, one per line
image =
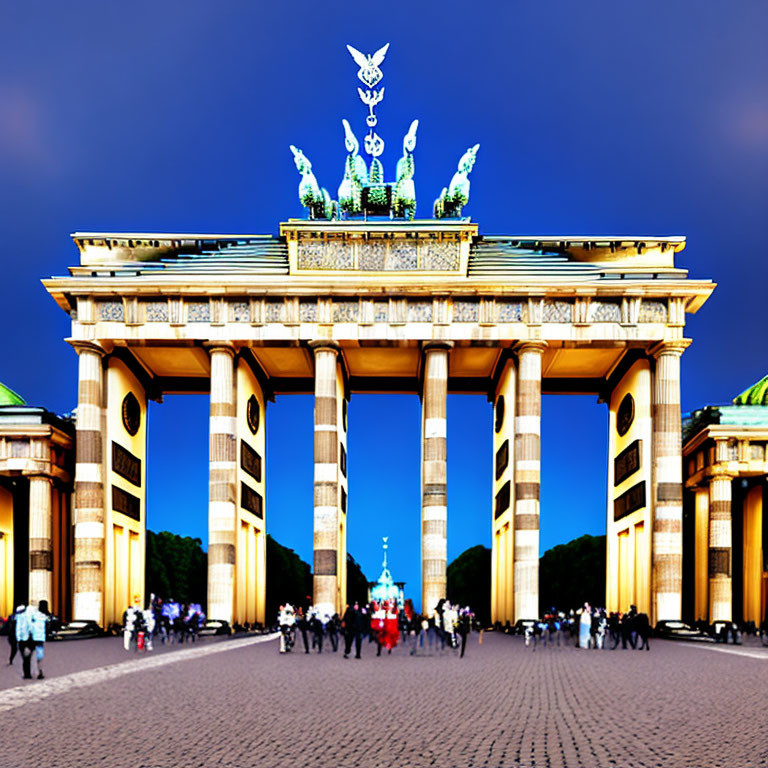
<point x="168" y="621"/>
<point x="590" y="628"/>
<point x="386" y="624"/>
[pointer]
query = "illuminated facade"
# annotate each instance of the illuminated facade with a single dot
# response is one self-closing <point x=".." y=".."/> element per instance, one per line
<point x="337" y="307"/>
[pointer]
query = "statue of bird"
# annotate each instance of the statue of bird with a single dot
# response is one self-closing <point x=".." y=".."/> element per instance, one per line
<point x="369" y="72"/>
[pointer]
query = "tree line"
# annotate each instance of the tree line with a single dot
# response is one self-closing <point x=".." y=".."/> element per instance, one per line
<point x="569" y="574"/>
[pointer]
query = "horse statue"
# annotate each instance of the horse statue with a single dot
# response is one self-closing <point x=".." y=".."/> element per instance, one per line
<point x="311" y="194"/>
<point x="355" y="175"/>
<point x="456" y="196"/>
<point x="405" y="191"/>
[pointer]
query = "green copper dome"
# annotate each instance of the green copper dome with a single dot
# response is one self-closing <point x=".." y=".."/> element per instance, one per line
<point x="757" y="394"/>
<point x="9" y="397"/>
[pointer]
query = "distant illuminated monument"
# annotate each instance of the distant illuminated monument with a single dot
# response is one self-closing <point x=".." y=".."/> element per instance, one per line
<point x="362" y="296"/>
<point x="385" y="588"/>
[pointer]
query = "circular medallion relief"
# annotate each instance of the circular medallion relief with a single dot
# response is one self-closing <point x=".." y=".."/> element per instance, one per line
<point x="499" y="413"/>
<point x="131" y="412"/>
<point x="625" y="415"/>
<point x="253" y="414"/>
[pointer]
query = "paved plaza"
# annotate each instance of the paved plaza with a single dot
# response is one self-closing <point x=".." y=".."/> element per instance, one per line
<point x="239" y="703"/>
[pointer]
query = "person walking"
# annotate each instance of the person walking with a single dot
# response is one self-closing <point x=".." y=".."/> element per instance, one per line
<point x="463" y="628"/>
<point x="24" y="641"/>
<point x="38" y="624"/>
<point x="303" y="625"/>
<point x="130" y="622"/>
<point x="12" y="641"/>
<point x="353" y="622"/>
<point x="585" y="625"/>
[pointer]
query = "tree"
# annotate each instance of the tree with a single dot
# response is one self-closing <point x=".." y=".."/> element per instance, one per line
<point x="289" y="579"/>
<point x="176" y="567"/>
<point x="357" y="583"/>
<point x="572" y="574"/>
<point x="469" y="581"/>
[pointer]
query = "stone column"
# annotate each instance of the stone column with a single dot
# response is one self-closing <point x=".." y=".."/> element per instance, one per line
<point x="40" y="540"/>
<point x="720" y="543"/>
<point x="527" y="479"/>
<point x="222" y="493"/>
<point x="326" y="522"/>
<point x="434" y="476"/>
<point x="89" y="487"/>
<point x="667" y="492"/>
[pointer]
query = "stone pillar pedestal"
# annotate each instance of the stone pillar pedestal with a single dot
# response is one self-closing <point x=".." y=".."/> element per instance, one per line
<point x="527" y="480"/>
<point x="434" y="476"/>
<point x="89" y="487"/>
<point x="720" y="546"/>
<point x="40" y="540"/>
<point x="667" y="493"/>
<point x="326" y="523"/>
<point x="222" y="494"/>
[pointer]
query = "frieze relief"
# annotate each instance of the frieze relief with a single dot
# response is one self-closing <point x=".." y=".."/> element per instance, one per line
<point x="373" y="256"/>
<point x="156" y="311"/>
<point x="346" y="311"/>
<point x="308" y="311"/>
<point x="239" y="312"/>
<point x="275" y="312"/>
<point x="466" y="311"/>
<point x="198" y="312"/>
<point x="557" y="312"/>
<point x="111" y="310"/>
<point x="511" y="311"/>
<point x="290" y="310"/>
<point x="653" y="312"/>
<point x="419" y="311"/>
<point x="379" y="255"/>
<point x="380" y="311"/>
<point x="604" y="312"/>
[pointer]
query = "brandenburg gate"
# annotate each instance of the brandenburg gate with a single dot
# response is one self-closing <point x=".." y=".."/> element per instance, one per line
<point x="361" y="297"/>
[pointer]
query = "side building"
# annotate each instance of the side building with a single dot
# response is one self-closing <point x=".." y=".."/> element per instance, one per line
<point x="725" y="466"/>
<point x="37" y="462"/>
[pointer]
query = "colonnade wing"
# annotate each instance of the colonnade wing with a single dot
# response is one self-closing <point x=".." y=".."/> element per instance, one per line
<point x="726" y="504"/>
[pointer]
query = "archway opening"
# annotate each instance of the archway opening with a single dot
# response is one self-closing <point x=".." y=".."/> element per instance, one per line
<point x="574" y="460"/>
<point x="384" y="449"/>
<point x="177" y="498"/>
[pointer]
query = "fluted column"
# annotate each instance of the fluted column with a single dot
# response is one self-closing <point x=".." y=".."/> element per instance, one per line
<point x="434" y="476"/>
<point x="89" y="487"/>
<point x="667" y="494"/>
<point x="720" y="544"/>
<point x="527" y="479"/>
<point x="326" y="522"/>
<point x="222" y="493"/>
<point x="40" y="540"/>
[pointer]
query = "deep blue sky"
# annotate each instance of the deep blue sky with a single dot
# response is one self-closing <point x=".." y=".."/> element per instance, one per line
<point x="593" y="117"/>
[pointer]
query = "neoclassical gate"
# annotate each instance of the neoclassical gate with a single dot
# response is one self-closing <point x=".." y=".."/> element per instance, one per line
<point x="338" y="307"/>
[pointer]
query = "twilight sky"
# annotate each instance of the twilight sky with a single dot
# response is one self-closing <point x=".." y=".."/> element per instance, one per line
<point x="594" y="117"/>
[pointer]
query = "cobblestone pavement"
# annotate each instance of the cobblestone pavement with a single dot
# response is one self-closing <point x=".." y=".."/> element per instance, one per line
<point x="500" y="706"/>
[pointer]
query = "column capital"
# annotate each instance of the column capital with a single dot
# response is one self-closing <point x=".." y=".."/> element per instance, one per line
<point x="328" y="344"/>
<point x="673" y="347"/>
<point x="721" y="476"/>
<point x="220" y="346"/>
<point x="87" y="346"/>
<point x="38" y="474"/>
<point x="533" y="345"/>
<point x="429" y="346"/>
